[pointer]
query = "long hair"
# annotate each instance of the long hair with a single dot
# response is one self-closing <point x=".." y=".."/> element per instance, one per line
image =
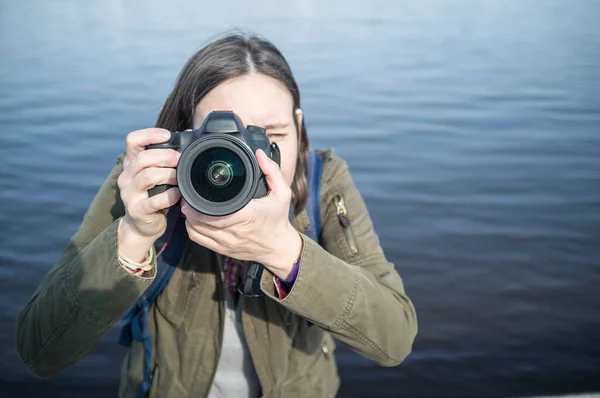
<point x="229" y="57"/>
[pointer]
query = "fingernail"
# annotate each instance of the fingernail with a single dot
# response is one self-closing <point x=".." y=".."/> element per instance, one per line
<point x="165" y="134"/>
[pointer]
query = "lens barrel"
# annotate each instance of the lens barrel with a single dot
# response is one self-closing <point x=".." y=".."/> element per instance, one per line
<point x="217" y="174"/>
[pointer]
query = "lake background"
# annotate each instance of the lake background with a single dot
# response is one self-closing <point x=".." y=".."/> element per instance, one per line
<point x="472" y="128"/>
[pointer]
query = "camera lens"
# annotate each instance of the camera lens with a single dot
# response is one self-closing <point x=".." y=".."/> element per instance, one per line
<point x="218" y="174"/>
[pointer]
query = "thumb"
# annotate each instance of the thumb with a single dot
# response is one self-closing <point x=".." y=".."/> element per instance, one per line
<point x="271" y="171"/>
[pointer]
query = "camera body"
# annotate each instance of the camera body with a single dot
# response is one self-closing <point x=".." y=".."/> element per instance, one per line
<point x="218" y="172"/>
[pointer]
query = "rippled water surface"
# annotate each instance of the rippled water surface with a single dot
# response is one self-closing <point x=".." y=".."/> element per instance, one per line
<point x="471" y="128"/>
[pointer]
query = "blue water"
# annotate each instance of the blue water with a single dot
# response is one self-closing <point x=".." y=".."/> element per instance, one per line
<point x="471" y="128"/>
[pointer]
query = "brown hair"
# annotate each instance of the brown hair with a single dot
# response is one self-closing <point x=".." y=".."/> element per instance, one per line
<point x="233" y="56"/>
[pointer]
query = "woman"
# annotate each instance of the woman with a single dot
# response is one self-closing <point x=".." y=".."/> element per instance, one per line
<point x="208" y="341"/>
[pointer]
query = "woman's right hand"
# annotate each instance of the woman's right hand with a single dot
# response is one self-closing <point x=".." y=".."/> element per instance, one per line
<point x="145" y="218"/>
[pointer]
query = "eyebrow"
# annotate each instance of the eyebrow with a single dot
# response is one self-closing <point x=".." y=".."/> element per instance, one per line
<point x="276" y="126"/>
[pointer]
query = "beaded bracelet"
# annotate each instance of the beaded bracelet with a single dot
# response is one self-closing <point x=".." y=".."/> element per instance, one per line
<point x="145" y="265"/>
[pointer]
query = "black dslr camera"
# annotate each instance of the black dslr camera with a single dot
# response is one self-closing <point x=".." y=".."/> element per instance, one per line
<point x="218" y="173"/>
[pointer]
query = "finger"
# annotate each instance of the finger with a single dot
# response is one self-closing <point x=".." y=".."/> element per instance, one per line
<point x="217" y="234"/>
<point x="271" y="171"/>
<point x="187" y="210"/>
<point x="222" y="222"/>
<point x="161" y="201"/>
<point x="153" y="158"/>
<point x="195" y="216"/>
<point x="153" y="176"/>
<point x="123" y="180"/>
<point x="203" y="240"/>
<point x="137" y="141"/>
<point x="190" y="213"/>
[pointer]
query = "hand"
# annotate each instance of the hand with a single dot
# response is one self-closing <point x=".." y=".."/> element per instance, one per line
<point x="143" y="169"/>
<point x="259" y="232"/>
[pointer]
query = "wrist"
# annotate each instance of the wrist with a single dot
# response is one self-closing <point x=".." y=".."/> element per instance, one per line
<point x="287" y="254"/>
<point x="130" y="227"/>
<point x="131" y="243"/>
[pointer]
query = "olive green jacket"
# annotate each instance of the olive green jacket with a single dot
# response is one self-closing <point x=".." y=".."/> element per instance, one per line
<point x="345" y="288"/>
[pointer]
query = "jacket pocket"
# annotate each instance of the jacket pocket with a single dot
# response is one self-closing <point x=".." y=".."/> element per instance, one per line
<point x="345" y="224"/>
<point x="314" y="375"/>
<point x="176" y="302"/>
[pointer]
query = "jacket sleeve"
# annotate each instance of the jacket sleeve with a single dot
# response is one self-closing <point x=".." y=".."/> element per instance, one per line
<point x="83" y="295"/>
<point x="347" y="286"/>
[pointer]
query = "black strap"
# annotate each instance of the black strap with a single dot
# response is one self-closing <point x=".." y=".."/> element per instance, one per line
<point x="251" y="284"/>
<point x="275" y="153"/>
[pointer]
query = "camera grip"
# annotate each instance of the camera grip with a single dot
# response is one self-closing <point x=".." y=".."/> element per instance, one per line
<point x="163" y="145"/>
<point x="159" y="189"/>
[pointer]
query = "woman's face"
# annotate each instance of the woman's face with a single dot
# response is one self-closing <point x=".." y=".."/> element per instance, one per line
<point x="263" y="101"/>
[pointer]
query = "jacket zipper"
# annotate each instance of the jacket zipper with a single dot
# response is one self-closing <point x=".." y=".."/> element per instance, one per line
<point x="342" y="214"/>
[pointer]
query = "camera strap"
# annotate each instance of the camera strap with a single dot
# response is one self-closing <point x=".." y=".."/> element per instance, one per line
<point x="251" y="285"/>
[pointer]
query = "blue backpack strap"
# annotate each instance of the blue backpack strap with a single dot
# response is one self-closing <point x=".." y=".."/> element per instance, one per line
<point x="313" y="204"/>
<point x="136" y="327"/>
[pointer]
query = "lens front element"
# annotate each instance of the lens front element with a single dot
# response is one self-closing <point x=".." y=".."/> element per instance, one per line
<point x="218" y="174"/>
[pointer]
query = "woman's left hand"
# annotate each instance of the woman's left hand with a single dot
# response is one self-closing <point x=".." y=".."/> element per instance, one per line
<point x="260" y="232"/>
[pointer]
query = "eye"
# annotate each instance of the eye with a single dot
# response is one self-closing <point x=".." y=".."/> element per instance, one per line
<point x="276" y="136"/>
